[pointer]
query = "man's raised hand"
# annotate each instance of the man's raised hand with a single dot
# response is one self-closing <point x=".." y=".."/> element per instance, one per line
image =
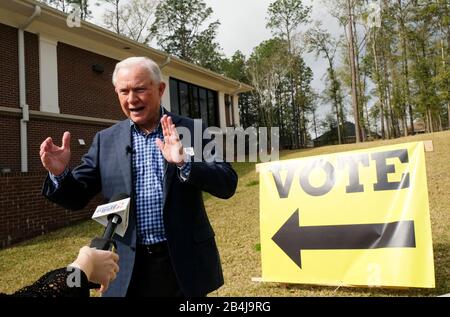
<point x="55" y="158"/>
<point x="171" y="148"/>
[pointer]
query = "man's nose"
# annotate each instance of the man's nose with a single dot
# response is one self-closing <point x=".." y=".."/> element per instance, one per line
<point x="132" y="97"/>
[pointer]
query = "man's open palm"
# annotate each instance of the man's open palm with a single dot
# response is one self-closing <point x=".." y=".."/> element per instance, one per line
<point x="55" y="158"/>
<point x="171" y="148"/>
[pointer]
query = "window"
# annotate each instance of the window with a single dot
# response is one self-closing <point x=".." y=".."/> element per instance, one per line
<point x="193" y="101"/>
<point x="174" y="100"/>
<point x="184" y="99"/>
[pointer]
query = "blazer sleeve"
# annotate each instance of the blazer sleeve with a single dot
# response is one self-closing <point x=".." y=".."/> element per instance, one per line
<point x="81" y="184"/>
<point x="55" y="284"/>
<point x="217" y="178"/>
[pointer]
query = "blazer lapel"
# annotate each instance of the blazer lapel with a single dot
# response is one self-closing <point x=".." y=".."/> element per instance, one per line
<point x="169" y="169"/>
<point x="123" y="150"/>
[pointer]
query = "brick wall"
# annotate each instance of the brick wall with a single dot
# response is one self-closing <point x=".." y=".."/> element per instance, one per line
<point x="9" y="67"/>
<point x="25" y="213"/>
<point x="82" y="91"/>
<point x="32" y="71"/>
<point x="39" y="130"/>
<point x="9" y="142"/>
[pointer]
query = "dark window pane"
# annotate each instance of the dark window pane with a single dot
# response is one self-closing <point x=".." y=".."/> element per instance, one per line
<point x="203" y="105"/>
<point x="174" y="103"/>
<point x="195" y="111"/>
<point x="227" y="110"/>
<point x="212" y="109"/>
<point x="184" y="99"/>
<point x="194" y="102"/>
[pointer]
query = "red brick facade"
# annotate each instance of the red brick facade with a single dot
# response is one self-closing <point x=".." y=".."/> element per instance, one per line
<point x="32" y="71"/>
<point x="9" y="142"/>
<point x="82" y="91"/>
<point x="24" y="212"/>
<point x="9" y="70"/>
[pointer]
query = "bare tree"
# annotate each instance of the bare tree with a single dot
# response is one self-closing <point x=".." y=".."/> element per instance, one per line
<point x="321" y="42"/>
<point x="131" y="18"/>
<point x="353" y="69"/>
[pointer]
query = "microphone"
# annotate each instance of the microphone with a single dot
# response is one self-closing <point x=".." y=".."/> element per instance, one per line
<point x="130" y="150"/>
<point x="114" y="216"/>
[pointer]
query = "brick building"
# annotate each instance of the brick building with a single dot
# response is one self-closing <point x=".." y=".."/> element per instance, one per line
<point x="56" y="78"/>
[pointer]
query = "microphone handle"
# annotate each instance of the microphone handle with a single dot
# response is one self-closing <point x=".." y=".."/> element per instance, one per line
<point x="109" y="230"/>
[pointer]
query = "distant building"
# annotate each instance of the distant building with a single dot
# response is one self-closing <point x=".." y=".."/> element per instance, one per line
<point x="419" y="126"/>
<point x="331" y="137"/>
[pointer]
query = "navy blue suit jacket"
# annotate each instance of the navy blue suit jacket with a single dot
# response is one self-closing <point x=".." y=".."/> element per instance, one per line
<point x="192" y="247"/>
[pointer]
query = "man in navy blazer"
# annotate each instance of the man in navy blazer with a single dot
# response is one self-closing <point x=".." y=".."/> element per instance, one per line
<point x="169" y="247"/>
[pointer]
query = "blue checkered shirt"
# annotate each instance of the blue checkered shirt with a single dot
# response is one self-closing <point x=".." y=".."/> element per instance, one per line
<point x="148" y="174"/>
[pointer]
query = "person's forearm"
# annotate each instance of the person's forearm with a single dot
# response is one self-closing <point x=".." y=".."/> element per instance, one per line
<point x="63" y="282"/>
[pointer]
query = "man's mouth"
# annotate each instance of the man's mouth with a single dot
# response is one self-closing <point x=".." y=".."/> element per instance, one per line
<point x="136" y="110"/>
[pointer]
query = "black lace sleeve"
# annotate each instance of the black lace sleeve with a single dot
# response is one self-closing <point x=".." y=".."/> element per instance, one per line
<point x="63" y="282"/>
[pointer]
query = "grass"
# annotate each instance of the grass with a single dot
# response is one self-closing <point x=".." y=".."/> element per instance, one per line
<point x="236" y="223"/>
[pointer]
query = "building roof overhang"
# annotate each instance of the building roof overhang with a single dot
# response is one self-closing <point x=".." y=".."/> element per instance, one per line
<point x="52" y="23"/>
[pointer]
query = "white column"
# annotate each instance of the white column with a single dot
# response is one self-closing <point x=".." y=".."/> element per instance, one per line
<point x="165" y="100"/>
<point x="237" y="119"/>
<point x="222" y="118"/>
<point x="48" y="71"/>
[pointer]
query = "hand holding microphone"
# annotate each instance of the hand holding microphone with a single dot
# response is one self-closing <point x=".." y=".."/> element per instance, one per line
<point x="114" y="216"/>
<point x="99" y="266"/>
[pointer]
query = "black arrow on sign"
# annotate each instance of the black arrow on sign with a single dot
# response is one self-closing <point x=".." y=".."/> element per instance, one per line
<point x="292" y="238"/>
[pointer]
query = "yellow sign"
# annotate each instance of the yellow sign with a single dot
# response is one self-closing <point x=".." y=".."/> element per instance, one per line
<point x="354" y="218"/>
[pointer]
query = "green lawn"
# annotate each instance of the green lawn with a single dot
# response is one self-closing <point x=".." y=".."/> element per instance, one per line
<point x="236" y="223"/>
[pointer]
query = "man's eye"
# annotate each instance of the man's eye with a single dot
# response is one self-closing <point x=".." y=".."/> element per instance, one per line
<point x="140" y="90"/>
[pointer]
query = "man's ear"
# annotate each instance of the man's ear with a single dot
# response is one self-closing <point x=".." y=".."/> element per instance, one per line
<point x="161" y="88"/>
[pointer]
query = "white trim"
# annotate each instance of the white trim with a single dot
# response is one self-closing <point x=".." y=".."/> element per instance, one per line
<point x="48" y="71"/>
<point x="8" y="110"/>
<point x="70" y="118"/>
<point x="47" y="39"/>
<point x="235" y="100"/>
<point x="222" y="116"/>
<point x="34" y="114"/>
<point x="23" y="103"/>
<point x="165" y="100"/>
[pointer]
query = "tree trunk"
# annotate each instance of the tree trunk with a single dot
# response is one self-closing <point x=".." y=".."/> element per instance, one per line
<point x="429" y="120"/>
<point x="353" y="72"/>
<point x="405" y="66"/>
<point x="379" y="85"/>
<point x="314" y="123"/>
<point x="359" y="84"/>
<point x="405" y="125"/>
<point x="335" y="98"/>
